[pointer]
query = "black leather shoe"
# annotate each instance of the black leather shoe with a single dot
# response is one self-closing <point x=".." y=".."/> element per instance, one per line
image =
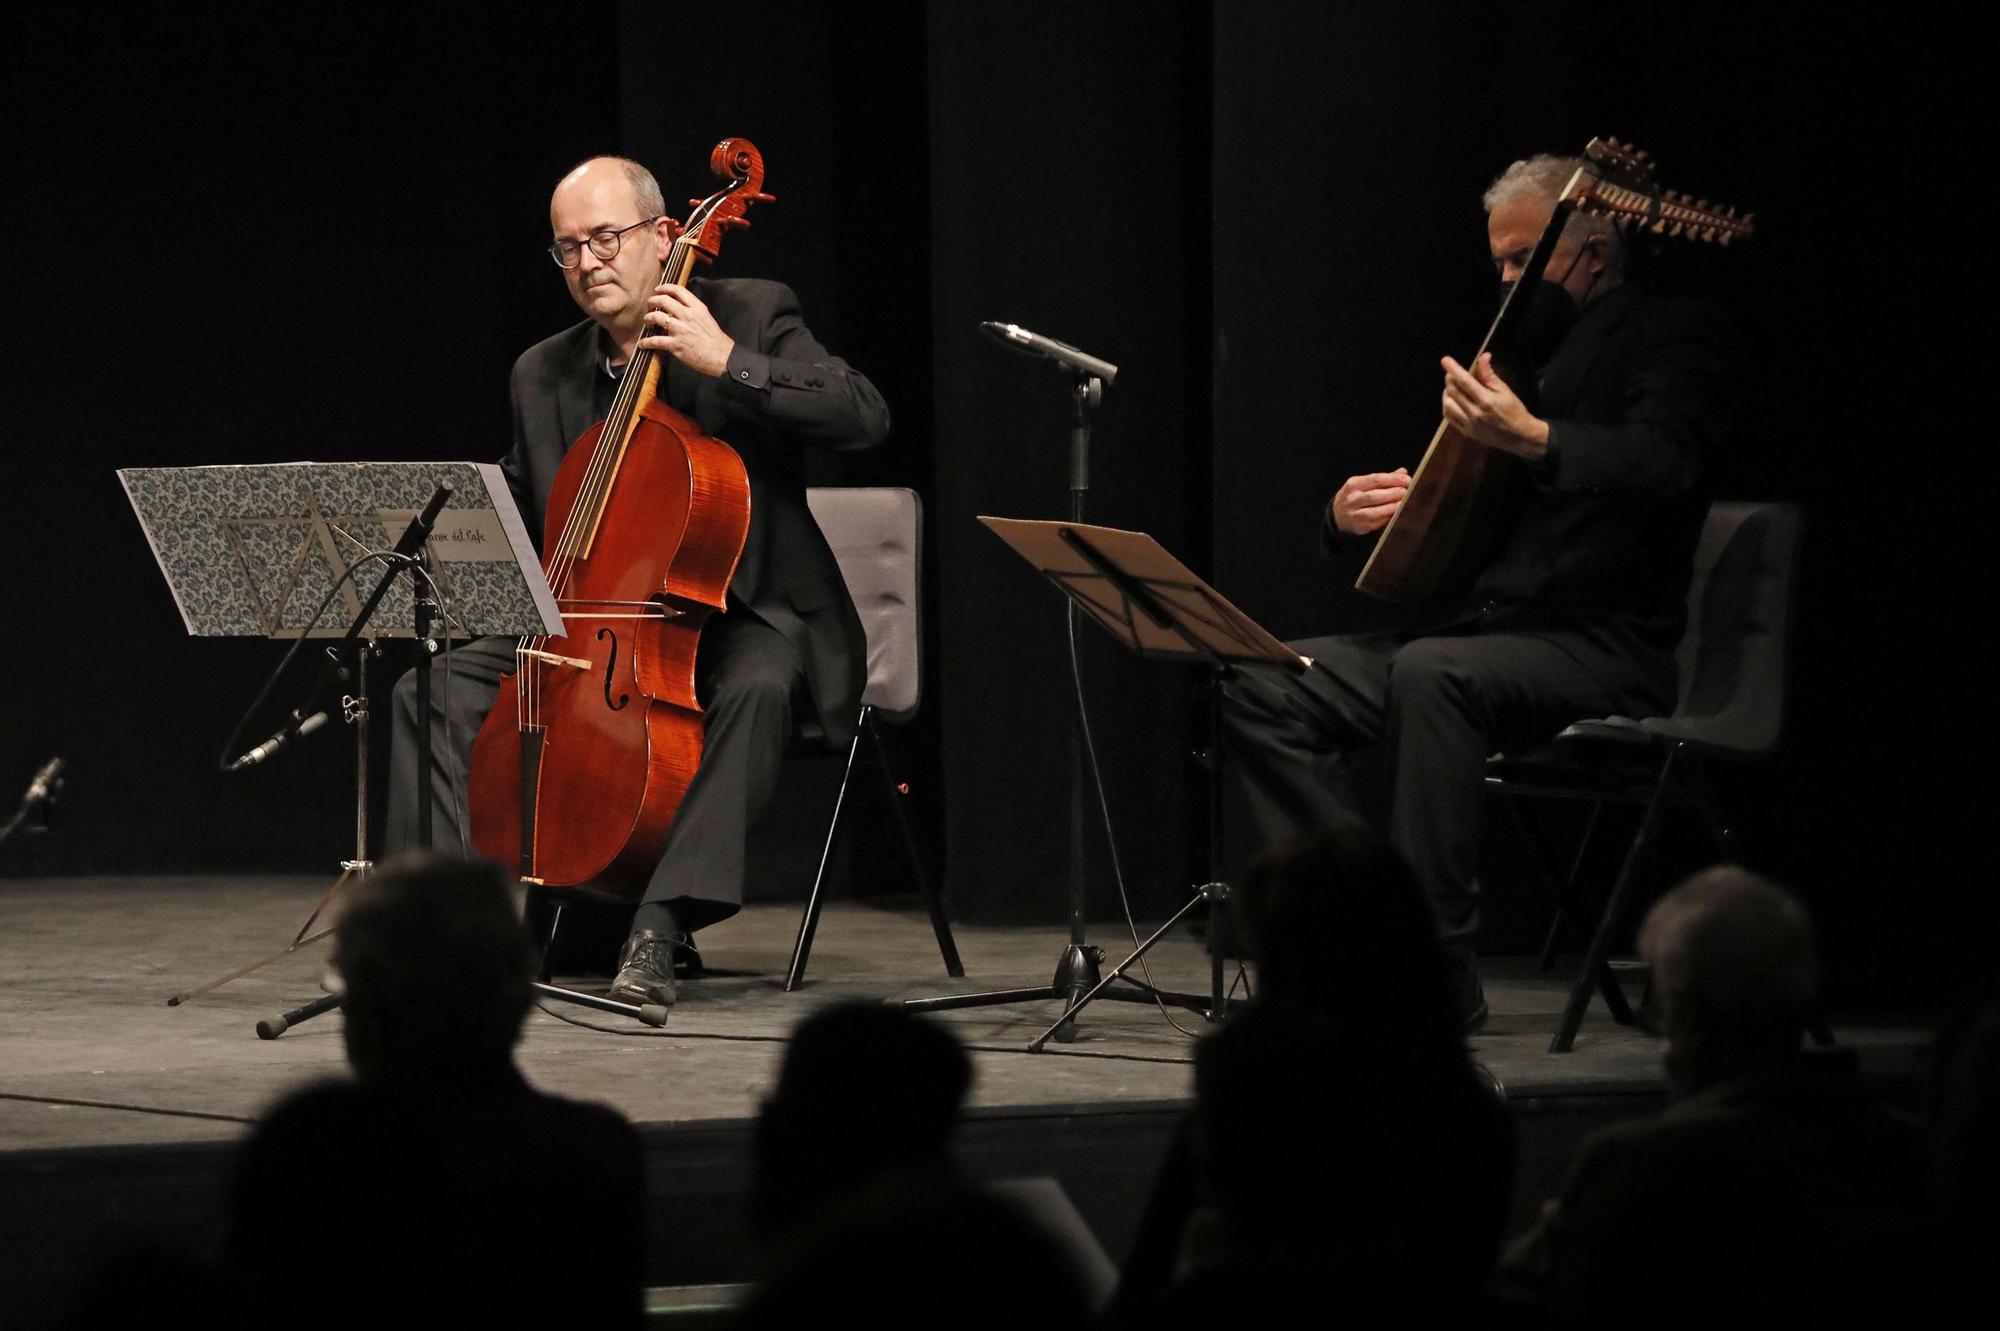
<point x="646" y="968"/>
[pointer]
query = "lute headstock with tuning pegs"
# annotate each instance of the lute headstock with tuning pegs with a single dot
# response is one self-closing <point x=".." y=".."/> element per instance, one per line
<point x="1625" y="189"/>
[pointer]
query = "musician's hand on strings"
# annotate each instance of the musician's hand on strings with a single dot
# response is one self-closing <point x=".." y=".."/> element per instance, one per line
<point x="1364" y="504"/>
<point x="1481" y="406"/>
<point x="680" y="325"/>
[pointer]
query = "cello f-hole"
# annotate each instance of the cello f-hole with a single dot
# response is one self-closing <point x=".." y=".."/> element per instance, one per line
<point x="609" y="666"/>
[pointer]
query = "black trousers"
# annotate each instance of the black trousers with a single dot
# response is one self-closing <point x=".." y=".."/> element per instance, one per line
<point x="1437" y="707"/>
<point x="746" y="676"/>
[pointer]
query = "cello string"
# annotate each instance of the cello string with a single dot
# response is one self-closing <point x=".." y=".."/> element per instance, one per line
<point x="590" y="497"/>
<point x="612" y="442"/>
<point x="580" y="518"/>
<point x="604" y="463"/>
<point x="593" y="491"/>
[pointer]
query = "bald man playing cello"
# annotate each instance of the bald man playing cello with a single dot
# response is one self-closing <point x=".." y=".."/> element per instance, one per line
<point x="741" y="362"/>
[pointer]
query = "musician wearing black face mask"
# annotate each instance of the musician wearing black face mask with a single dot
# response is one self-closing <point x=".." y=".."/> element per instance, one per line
<point x="1576" y="611"/>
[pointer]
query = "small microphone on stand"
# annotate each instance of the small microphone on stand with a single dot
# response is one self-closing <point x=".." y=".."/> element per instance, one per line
<point x="1062" y="353"/>
<point x="279" y="741"/>
<point x="38" y="804"/>
<point x="47" y="784"/>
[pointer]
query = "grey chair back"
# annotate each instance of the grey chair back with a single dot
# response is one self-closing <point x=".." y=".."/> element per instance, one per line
<point x="1733" y="657"/>
<point x="875" y="534"/>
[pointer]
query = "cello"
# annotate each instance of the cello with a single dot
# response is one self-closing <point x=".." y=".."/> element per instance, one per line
<point x="579" y="768"/>
<point x="1456" y="506"/>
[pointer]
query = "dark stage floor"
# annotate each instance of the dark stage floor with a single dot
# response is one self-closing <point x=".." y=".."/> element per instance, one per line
<point x="115" y="1108"/>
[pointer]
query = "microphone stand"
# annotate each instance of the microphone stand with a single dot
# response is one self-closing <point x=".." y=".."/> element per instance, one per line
<point x="1077" y="974"/>
<point x="411" y="554"/>
<point x="407" y="554"/>
<point x="651" y="1013"/>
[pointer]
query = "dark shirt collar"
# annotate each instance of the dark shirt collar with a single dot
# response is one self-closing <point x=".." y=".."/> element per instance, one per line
<point x="604" y="349"/>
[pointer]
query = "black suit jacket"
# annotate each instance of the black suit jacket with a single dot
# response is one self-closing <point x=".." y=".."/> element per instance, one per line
<point x="1599" y="537"/>
<point x="433" y="1203"/>
<point x="1782" y="1197"/>
<point x="781" y="393"/>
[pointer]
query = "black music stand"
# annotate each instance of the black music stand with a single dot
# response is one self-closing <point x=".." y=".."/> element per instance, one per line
<point x="1151" y="602"/>
<point x="261" y="550"/>
<point x="257" y="550"/>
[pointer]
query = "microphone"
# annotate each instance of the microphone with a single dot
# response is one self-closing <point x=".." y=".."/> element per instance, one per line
<point x="279" y="741"/>
<point x="420" y="526"/>
<point x="1034" y="344"/>
<point x="45" y="785"/>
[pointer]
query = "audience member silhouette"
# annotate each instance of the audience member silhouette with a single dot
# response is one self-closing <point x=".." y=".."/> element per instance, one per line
<point x="858" y="1205"/>
<point x="1771" y="1187"/>
<point x="1343" y="1139"/>
<point x="438" y="1184"/>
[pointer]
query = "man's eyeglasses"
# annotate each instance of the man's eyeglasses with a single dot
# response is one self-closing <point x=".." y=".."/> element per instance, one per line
<point x="604" y="244"/>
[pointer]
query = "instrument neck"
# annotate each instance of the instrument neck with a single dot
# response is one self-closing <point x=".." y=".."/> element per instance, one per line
<point x="642" y="373"/>
<point x="1502" y="337"/>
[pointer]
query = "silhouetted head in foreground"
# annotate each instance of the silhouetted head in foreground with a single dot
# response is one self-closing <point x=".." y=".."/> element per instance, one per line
<point x="1341" y="1123"/>
<point x="1735" y="973"/>
<point x="864" y="1090"/>
<point x="856" y="1201"/>
<point x="1337" y="924"/>
<point x="417" y="1184"/>
<point x="438" y="970"/>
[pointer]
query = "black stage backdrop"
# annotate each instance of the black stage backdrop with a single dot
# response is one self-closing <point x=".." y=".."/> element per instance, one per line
<point x="245" y="235"/>
<point x="239" y="237"/>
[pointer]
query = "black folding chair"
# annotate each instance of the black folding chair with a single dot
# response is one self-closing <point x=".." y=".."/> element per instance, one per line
<point x="1732" y="702"/>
